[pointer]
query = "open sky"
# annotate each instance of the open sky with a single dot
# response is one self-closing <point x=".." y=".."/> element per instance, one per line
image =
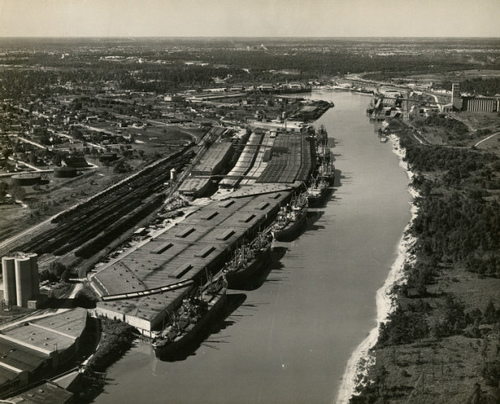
<point x="250" y="18"/>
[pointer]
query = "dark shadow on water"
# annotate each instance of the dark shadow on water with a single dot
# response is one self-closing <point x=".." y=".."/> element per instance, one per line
<point x="258" y="279"/>
<point x="208" y="336"/>
<point x="333" y="142"/>
<point x="338" y="178"/>
<point x="233" y="301"/>
<point x="312" y="217"/>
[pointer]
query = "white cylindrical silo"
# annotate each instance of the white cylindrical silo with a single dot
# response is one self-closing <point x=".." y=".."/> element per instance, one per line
<point x="173" y="175"/>
<point x="9" y="280"/>
<point x="23" y="280"/>
<point x="35" y="282"/>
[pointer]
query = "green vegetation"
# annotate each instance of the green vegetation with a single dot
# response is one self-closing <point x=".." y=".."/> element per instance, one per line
<point x="449" y="306"/>
<point x="482" y="86"/>
<point x="56" y="272"/>
<point x="165" y="69"/>
<point x="117" y="338"/>
<point x="450" y="130"/>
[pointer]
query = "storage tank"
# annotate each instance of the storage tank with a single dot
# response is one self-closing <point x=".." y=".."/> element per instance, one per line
<point x="173" y="175"/>
<point x="9" y="280"/>
<point x="26" y="179"/>
<point x="23" y="280"/>
<point x="65" y="172"/>
<point x="35" y="281"/>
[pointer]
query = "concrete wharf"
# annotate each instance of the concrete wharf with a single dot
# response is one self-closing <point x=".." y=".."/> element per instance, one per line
<point x="147" y="285"/>
<point x="197" y="246"/>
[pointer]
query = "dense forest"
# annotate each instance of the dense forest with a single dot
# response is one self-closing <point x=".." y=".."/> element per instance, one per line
<point x="477" y="86"/>
<point x="457" y="232"/>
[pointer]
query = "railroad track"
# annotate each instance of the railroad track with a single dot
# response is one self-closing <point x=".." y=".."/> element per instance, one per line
<point x="107" y="214"/>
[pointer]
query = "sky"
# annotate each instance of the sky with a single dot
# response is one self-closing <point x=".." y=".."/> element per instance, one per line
<point x="250" y="18"/>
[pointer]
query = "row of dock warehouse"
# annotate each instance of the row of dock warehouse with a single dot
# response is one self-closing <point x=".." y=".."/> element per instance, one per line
<point x="146" y="285"/>
<point x="199" y="245"/>
<point x="268" y="156"/>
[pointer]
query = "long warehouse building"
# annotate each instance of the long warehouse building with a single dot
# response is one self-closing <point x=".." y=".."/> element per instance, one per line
<point x="198" y="245"/>
<point x="144" y="287"/>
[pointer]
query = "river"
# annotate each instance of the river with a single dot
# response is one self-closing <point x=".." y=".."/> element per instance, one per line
<point x="290" y="339"/>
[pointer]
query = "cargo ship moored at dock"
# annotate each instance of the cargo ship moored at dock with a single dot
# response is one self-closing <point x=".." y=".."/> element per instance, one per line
<point x="325" y="167"/>
<point x="247" y="261"/>
<point x="291" y="219"/>
<point x="317" y="193"/>
<point x="190" y="319"/>
<point x="265" y="189"/>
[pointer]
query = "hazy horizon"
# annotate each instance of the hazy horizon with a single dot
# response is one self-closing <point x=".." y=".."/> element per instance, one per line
<point x="249" y="19"/>
<point x="371" y="38"/>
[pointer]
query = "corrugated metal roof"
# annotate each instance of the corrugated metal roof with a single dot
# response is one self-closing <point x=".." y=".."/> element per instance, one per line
<point x="201" y="240"/>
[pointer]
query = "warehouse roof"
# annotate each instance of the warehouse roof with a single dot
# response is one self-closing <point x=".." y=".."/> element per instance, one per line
<point x="51" y="333"/>
<point x="201" y="241"/>
<point x="49" y="393"/>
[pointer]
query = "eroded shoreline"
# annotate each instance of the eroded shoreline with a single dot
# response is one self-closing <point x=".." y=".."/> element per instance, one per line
<point x="356" y="371"/>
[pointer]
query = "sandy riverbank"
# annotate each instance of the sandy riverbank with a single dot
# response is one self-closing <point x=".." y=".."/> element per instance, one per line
<point x="356" y="371"/>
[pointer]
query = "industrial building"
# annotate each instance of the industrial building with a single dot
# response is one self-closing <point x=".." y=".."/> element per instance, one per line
<point x="271" y="157"/>
<point x="197" y="187"/>
<point x="46" y="393"/>
<point x="20" y="280"/>
<point x="144" y="286"/>
<point x="456" y="97"/>
<point x="213" y="162"/>
<point x="481" y="104"/>
<point x="473" y="103"/>
<point x="33" y="349"/>
<point x="135" y="288"/>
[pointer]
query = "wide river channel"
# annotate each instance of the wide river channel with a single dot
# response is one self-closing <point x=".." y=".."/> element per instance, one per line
<point x="289" y="340"/>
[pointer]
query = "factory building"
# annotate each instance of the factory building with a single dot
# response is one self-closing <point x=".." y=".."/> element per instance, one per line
<point x="20" y="279"/>
<point x="212" y="163"/>
<point x="33" y="349"/>
<point x="214" y="160"/>
<point x="456" y="97"/>
<point x="472" y="103"/>
<point x="480" y="104"/>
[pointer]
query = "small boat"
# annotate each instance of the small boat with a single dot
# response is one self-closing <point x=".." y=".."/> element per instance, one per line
<point x="290" y="219"/>
<point x="247" y="261"/>
<point x="383" y="139"/>
<point x="190" y="318"/>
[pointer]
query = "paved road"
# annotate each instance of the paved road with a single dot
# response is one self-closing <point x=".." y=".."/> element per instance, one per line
<point x="486" y="138"/>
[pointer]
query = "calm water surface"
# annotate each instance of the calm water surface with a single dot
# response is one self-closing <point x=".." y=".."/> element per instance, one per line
<point x="290" y="339"/>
